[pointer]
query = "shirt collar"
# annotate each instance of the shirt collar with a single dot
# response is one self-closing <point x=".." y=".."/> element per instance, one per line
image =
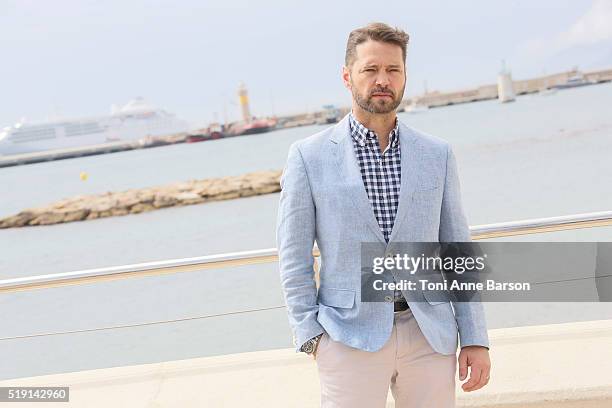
<point x="362" y="134"/>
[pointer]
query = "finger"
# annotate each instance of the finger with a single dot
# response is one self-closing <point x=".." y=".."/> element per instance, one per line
<point x="463" y="367"/>
<point x="484" y="379"/>
<point x="475" y="372"/>
<point x="485" y="376"/>
<point x="481" y="382"/>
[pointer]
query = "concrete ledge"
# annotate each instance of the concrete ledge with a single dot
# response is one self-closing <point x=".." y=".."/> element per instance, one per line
<point x="557" y="364"/>
<point x="561" y="365"/>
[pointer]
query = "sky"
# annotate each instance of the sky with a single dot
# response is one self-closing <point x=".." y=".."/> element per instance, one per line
<point x="63" y="59"/>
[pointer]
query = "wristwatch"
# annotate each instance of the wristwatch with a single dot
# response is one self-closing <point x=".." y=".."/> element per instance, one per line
<point x="311" y="345"/>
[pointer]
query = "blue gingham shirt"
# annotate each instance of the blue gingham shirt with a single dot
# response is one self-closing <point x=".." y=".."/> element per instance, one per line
<point x="381" y="174"/>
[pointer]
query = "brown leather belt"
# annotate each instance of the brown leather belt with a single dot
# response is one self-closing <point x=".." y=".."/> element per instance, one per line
<point x="400" y="306"/>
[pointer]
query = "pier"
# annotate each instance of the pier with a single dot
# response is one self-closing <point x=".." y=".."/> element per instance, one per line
<point x="521" y="87"/>
<point x="38" y="157"/>
<point x="82" y="151"/>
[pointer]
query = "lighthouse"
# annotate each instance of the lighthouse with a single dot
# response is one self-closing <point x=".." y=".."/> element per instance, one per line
<point x="243" y="98"/>
<point x="505" y="88"/>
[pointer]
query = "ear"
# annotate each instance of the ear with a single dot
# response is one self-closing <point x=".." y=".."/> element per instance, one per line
<point x="346" y="77"/>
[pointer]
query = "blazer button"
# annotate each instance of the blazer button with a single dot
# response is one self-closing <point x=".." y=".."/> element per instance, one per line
<point x="388" y="298"/>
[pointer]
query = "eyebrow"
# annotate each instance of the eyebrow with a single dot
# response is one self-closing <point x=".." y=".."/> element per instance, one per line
<point x="376" y="66"/>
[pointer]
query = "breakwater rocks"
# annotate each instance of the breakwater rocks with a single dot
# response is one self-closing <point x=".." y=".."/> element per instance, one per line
<point x="134" y="201"/>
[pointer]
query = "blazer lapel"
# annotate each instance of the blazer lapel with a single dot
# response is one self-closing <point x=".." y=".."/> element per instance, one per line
<point x="350" y="173"/>
<point x="411" y="157"/>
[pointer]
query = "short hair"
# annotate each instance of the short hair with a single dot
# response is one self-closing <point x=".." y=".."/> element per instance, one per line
<point x="377" y="32"/>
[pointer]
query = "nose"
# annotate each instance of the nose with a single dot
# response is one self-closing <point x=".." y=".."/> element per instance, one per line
<point x="382" y="79"/>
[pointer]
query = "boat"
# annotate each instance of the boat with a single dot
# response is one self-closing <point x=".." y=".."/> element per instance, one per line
<point x="213" y="131"/>
<point x="573" y="82"/>
<point x="253" y="126"/>
<point x="131" y="122"/>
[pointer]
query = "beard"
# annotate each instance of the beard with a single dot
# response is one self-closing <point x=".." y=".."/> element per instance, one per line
<point x="377" y="105"/>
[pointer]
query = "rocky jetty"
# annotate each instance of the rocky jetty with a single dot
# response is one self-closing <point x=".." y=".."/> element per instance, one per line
<point x="134" y="201"/>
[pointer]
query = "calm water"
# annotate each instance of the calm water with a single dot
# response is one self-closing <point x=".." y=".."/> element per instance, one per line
<point x="540" y="156"/>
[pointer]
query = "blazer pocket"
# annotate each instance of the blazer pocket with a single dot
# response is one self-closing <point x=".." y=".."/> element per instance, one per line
<point x="337" y="297"/>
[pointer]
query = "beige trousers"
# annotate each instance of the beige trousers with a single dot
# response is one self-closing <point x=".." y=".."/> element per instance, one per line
<point x="419" y="377"/>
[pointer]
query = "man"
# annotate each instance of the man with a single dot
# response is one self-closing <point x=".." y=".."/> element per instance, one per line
<point x="370" y="178"/>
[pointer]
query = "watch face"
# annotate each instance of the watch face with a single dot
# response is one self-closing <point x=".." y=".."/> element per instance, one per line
<point x="308" y="347"/>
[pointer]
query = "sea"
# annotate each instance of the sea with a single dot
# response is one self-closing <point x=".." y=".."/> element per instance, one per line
<point x="543" y="155"/>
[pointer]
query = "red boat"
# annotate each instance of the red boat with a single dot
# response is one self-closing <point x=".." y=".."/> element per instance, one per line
<point x="214" y="131"/>
<point x="253" y="127"/>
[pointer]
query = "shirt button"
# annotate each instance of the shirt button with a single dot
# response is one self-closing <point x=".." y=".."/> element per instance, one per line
<point x="388" y="298"/>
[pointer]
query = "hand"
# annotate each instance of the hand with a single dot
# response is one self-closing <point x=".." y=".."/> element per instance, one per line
<point x="476" y="357"/>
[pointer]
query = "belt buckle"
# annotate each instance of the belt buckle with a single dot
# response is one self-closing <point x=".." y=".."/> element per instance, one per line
<point x="402" y="305"/>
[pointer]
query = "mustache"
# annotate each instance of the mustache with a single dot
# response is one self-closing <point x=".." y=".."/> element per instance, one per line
<point x="382" y="90"/>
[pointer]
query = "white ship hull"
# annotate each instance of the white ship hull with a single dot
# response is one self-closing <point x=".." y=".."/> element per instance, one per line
<point x="133" y="122"/>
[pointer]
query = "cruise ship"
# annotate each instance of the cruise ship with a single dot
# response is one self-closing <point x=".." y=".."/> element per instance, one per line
<point x="132" y="121"/>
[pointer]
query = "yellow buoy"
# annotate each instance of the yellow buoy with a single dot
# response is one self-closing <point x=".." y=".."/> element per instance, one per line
<point x="83" y="176"/>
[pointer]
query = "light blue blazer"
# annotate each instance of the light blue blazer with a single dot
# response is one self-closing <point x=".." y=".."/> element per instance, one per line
<point x="323" y="198"/>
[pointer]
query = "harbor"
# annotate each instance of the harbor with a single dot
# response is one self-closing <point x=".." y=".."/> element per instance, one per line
<point x="153" y="162"/>
<point x="506" y="90"/>
<point x="517" y="161"/>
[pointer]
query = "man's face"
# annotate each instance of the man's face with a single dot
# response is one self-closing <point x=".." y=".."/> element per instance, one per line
<point x="377" y="77"/>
